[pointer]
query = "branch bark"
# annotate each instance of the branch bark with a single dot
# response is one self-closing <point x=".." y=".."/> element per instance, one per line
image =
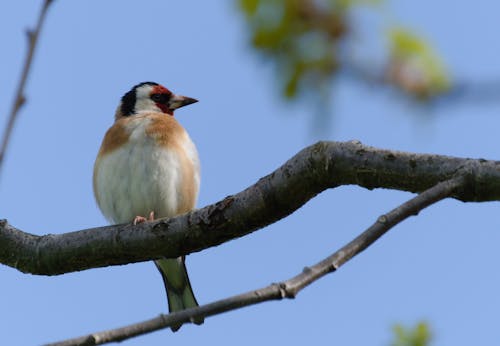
<point x="286" y="289"/>
<point x="20" y="98"/>
<point x="314" y="169"/>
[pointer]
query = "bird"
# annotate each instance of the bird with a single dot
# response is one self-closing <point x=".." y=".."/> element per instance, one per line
<point x="147" y="167"/>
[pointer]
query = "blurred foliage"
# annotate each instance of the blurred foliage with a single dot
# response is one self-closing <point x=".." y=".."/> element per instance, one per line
<point x="301" y="39"/>
<point x="419" y="335"/>
<point x="306" y="40"/>
<point x="415" y="67"/>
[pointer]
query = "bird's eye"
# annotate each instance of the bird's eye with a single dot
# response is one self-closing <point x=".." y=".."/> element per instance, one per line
<point x="159" y="98"/>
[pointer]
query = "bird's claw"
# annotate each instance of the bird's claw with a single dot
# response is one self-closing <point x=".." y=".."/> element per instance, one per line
<point x="141" y="219"/>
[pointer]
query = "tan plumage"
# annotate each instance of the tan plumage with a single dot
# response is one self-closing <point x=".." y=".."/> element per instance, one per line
<point x="147" y="163"/>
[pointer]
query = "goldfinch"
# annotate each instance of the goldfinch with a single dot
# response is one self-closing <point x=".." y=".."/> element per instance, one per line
<point x="148" y="167"/>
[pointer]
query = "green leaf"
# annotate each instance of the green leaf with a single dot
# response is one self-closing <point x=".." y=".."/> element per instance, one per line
<point x="347" y="4"/>
<point x="249" y="6"/>
<point x="408" y="48"/>
<point x="419" y="335"/>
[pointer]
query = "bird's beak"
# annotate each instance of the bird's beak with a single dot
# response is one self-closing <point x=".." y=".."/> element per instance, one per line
<point x="178" y="101"/>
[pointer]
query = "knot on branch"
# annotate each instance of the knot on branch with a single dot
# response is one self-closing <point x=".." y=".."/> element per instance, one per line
<point x="283" y="290"/>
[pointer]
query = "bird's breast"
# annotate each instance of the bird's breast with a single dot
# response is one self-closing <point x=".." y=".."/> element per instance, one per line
<point x="155" y="168"/>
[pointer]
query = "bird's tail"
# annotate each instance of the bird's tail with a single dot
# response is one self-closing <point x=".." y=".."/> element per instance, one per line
<point x="179" y="292"/>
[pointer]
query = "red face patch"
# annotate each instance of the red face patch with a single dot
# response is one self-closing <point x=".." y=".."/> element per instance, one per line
<point x="160" y="89"/>
<point x="164" y="108"/>
<point x="163" y="105"/>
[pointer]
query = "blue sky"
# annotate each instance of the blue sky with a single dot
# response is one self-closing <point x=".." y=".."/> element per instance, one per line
<point x="440" y="267"/>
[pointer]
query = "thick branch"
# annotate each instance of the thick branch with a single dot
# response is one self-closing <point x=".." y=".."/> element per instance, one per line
<point x="286" y="289"/>
<point x="314" y="169"/>
<point x="19" y="98"/>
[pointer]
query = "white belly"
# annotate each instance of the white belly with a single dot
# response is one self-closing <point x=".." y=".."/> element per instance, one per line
<point x="139" y="178"/>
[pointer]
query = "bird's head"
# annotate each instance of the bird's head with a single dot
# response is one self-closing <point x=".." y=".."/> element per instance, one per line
<point x="151" y="97"/>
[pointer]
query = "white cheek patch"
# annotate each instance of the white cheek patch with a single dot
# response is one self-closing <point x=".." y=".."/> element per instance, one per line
<point x="146" y="105"/>
<point x="143" y="102"/>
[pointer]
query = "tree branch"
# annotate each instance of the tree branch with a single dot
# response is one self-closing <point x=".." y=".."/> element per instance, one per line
<point x="461" y="91"/>
<point x="20" y="98"/>
<point x="314" y="169"/>
<point x="285" y="289"/>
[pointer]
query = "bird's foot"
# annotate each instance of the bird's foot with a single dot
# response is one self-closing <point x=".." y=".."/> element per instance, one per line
<point x="141" y="219"/>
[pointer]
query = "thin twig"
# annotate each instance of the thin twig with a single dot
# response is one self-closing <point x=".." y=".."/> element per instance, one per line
<point x="480" y="92"/>
<point x="20" y="98"/>
<point x="285" y="289"/>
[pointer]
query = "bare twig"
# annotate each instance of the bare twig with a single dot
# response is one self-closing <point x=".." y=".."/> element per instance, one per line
<point x="285" y="289"/>
<point x="314" y="169"/>
<point x="480" y="92"/>
<point x="20" y="98"/>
